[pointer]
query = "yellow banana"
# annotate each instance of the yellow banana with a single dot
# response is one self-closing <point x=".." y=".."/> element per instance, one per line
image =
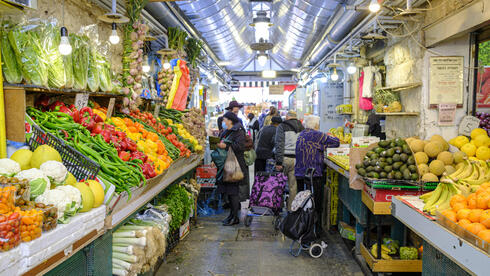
<point x="426" y="196"/>
<point x="385" y="256"/>
<point x="467" y="171"/>
<point x="435" y="196"/>
<point x="475" y="174"/>
<point x="458" y="171"/>
<point x="442" y="198"/>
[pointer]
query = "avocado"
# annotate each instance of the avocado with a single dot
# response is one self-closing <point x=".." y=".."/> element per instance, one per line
<point x="398" y="150"/>
<point x="403" y="167"/>
<point x="389" y="160"/>
<point x="392" y="144"/>
<point x="374" y="156"/>
<point x="382" y="164"/>
<point x="396" y="157"/>
<point x="382" y="159"/>
<point x="384" y="144"/>
<point x="358" y="166"/>
<point x="397" y="165"/>
<point x="370" y="169"/>
<point x="406" y="149"/>
<point x="412" y="168"/>
<point x="383" y="153"/>
<point x="373" y="162"/>
<point x="406" y="175"/>
<point x="375" y="175"/>
<point x="411" y="160"/>
<point x="361" y="171"/>
<point x="378" y="150"/>
<point x="369" y="153"/>
<point x="404" y="157"/>
<point x="377" y="169"/>
<point x="400" y="142"/>
<point x="415" y="176"/>
<point x="398" y="175"/>
<point x="366" y="162"/>
<point x="390" y="152"/>
<point x="383" y="175"/>
<point x="388" y="169"/>
<point x="391" y="175"/>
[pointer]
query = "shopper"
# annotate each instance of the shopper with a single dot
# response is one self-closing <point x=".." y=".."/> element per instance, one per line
<point x="221" y="124"/>
<point x="286" y="135"/>
<point x="310" y="153"/>
<point x="253" y="126"/>
<point x="235" y="107"/>
<point x="265" y="144"/>
<point x="234" y="137"/>
<point x="262" y="117"/>
<point x="272" y="113"/>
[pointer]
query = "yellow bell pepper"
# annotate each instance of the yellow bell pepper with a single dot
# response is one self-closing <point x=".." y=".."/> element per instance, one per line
<point x="118" y="121"/>
<point x="100" y="113"/>
<point x="152" y="157"/>
<point x="140" y="145"/>
<point x="150" y="146"/>
<point x="134" y="136"/>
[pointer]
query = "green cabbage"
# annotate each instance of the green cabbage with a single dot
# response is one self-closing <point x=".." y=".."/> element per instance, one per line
<point x="38" y="186"/>
<point x="80" y="56"/>
<point x="50" y="41"/>
<point x="28" y="50"/>
<point x="10" y="68"/>
<point x="93" y="80"/>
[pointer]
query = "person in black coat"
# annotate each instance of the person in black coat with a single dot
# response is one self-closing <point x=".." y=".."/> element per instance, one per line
<point x="265" y="144"/>
<point x="234" y="137"/>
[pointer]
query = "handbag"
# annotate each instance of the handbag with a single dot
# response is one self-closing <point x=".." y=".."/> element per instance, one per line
<point x="232" y="171"/>
<point x="250" y="156"/>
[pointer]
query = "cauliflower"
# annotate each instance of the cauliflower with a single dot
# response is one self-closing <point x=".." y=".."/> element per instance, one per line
<point x="59" y="199"/>
<point x="8" y="167"/>
<point x="75" y="196"/>
<point x="55" y="171"/>
<point x="38" y="181"/>
<point x="408" y="253"/>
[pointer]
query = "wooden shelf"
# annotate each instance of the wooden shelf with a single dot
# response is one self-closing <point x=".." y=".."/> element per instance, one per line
<point x="401" y="87"/>
<point x="399" y="114"/>
<point x="376" y="207"/>
<point x="346" y="113"/>
<point x="38" y="89"/>
<point x="381" y="265"/>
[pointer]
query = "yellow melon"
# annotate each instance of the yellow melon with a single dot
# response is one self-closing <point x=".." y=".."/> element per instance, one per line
<point x="430" y="177"/>
<point x="469" y="149"/>
<point x="477" y="132"/>
<point x="417" y="145"/>
<point x="437" y="167"/>
<point x="432" y="149"/>
<point x="436" y="137"/>
<point x="446" y="157"/>
<point x="459" y="156"/>
<point x="421" y="158"/>
<point x="423" y="169"/>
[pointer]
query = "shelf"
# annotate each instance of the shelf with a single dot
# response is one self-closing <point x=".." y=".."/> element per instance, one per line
<point x="38" y="89"/>
<point x="381" y="265"/>
<point x="346" y="113"/>
<point x="376" y="207"/>
<point x="337" y="168"/>
<point x="399" y="114"/>
<point x="401" y="87"/>
<point x="467" y="256"/>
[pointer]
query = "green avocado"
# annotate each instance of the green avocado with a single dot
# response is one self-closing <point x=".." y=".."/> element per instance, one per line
<point x="383" y="175"/>
<point x="389" y="160"/>
<point x="370" y="169"/>
<point x="384" y="144"/>
<point x="375" y="175"/>
<point x="404" y="157"/>
<point x="412" y="168"/>
<point x="378" y="150"/>
<point x="388" y="169"/>
<point x="391" y="175"/>
<point x="396" y="157"/>
<point x="406" y="149"/>
<point x="397" y="165"/>
<point x="373" y="162"/>
<point x="390" y="152"/>
<point x="406" y="174"/>
<point x="378" y="169"/>
<point x="398" y="175"/>
<point x="400" y="142"/>
<point x="361" y="171"/>
<point x="411" y="160"/>
<point x="403" y="167"/>
<point x="366" y="162"/>
<point x="398" y="150"/>
<point x="358" y="166"/>
<point x="415" y="176"/>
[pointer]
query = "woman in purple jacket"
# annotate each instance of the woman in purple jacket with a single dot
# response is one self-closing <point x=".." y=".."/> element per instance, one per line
<point x="310" y="153"/>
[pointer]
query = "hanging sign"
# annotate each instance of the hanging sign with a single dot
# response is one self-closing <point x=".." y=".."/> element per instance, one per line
<point x="446" y="80"/>
<point x="468" y="124"/>
<point x="447" y="113"/>
<point x="276" y="89"/>
<point x="110" y="108"/>
<point x="81" y="100"/>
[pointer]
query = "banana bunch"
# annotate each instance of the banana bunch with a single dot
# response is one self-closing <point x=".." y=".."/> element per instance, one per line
<point x="341" y="160"/>
<point x="343" y="108"/>
<point x="438" y="200"/>
<point x="339" y="133"/>
<point x="469" y="176"/>
<point x="384" y="251"/>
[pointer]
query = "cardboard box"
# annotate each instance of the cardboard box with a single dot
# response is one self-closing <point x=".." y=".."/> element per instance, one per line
<point x="364" y="141"/>
<point x="383" y="195"/>
<point x="347" y="231"/>
<point x="184" y="230"/>
<point x="206" y="175"/>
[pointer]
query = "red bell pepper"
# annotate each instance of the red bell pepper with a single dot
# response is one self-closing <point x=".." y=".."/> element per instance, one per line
<point x="76" y="116"/>
<point x="106" y="134"/>
<point x="124" y="155"/>
<point x="65" y="110"/>
<point x="56" y="106"/>
<point x="88" y="123"/>
<point x="97" y="118"/>
<point x="97" y="129"/>
<point x="131" y="145"/>
<point x="86" y="112"/>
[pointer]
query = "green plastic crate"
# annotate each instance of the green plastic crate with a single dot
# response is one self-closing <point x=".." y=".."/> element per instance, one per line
<point x="76" y="265"/>
<point x="100" y="256"/>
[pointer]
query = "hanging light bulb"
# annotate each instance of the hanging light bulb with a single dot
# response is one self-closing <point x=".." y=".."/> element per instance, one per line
<point x="146" y="66"/>
<point x="166" y="65"/>
<point x="374" y="6"/>
<point x="334" y="75"/>
<point x="114" y="38"/>
<point x="351" y="69"/>
<point x="262" y="59"/>
<point x="261" y="23"/>
<point x="65" y="47"/>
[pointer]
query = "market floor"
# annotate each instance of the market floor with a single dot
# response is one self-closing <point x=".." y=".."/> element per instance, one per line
<point x="211" y="249"/>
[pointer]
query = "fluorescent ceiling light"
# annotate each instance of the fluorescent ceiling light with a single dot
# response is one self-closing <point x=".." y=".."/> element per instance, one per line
<point x="269" y="74"/>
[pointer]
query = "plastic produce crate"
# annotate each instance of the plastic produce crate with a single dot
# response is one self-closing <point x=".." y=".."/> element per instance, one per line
<point x="78" y="164"/>
<point x="434" y="263"/>
<point x="76" y="265"/>
<point x="99" y="261"/>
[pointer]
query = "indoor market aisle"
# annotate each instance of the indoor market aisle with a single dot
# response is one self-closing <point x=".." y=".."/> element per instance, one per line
<point x="211" y="249"/>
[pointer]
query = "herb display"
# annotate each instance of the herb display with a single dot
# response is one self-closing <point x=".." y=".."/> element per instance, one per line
<point x="179" y="203"/>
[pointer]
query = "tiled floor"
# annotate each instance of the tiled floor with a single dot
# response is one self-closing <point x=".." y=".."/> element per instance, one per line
<point x="212" y="249"/>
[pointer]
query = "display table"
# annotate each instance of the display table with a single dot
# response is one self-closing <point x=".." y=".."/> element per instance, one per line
<point x="465" y="255"/>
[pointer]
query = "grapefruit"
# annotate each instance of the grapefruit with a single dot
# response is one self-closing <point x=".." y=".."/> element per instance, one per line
<point x="23" y="157"/>
<point x="87" y="196"/>
<point x="98" y="192"/>
<point x="42" y="154"/>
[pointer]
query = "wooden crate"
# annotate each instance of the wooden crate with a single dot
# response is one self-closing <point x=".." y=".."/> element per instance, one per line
<point x="380" y="265"/>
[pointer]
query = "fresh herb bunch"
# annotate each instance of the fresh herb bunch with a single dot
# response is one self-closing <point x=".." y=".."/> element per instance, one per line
<point x="179" y="203"/>
<point x="193" y="49"/>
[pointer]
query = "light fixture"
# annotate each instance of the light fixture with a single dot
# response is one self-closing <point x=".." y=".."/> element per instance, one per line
<point x="64" y="47"/>
<point x="166" y="65"/>
<point x="351" y="69"/>
<point x="200" y="87"/>
<point x="262" y="59"/>
<point x="114" y="38"/>
<point x="323" y="79"/>
<point x="374" y="6"/>
<point x="146" y="67"/>
<point x="334" y="76"/>
<point x="224" y="63"/>
<point x="269" y="74"/>
<point x="261" y="23"/>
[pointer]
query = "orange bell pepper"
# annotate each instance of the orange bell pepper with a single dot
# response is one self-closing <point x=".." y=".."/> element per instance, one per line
<point x="152" y="136"/>
<point x="160" y="147"/>
<point x="139" y="126"/>
<point x="133" y="129"/>
<point x="128" y="122"/>
<point x="144" y="133"/>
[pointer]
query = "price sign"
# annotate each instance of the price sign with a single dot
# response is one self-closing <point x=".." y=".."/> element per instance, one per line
<point x="81" y="100"/>
<point x="110" y="108"/>
<point x="157" y="111"/>
<point x="468" y="124"/>
<point x="446" y="114"/>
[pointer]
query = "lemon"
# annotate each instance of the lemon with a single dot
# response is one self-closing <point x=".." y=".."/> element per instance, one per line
<point x="23" y="157"/>
<point x="483" y="153"/>
<point x="469" y="149"/>
<point x="482" y="140"/>
<point x="477" y="132"/>
<point x="459" y="141"/>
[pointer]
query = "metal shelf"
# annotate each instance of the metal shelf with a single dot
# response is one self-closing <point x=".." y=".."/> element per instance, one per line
<point x="399" y="114"/>
<point x="39" y="89"/>
<point x="401" y="87"/>
<point x="337" y="168"/>
<point x="469" y="257"/>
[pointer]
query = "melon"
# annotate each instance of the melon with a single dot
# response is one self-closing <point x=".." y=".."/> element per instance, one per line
<point x="430" y="177"/>
<point x="437" y="167"/>
<point x="459" y="157"/>
<point x="417" y="145"/>
<point x="423" y="169"/>
<point x="87" y="196"/>
<point x="421" y="158"/>
<point x="436" y="137"/>
<point x="70" y="179"/>
<point x="42" y="154"/>
<point x="446" y="157"/>
<point x="98" y="192"/>
<point x="449" y="169"/>
<point x="23" y="157"/>
<point x="432" y="149"/>
<point x="477" y="132"/>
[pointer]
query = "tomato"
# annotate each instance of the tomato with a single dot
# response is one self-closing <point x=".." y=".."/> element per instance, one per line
<point x="3" y="218"/>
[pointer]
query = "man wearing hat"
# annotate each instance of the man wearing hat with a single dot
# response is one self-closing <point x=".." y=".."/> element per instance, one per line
<point x="285" y="146"/>
<point x="235" y="107"/>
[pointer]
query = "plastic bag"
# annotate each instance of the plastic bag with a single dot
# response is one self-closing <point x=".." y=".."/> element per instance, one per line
<point x="10" y="68"/>
<point x="26" y="44"/>
<point x="175" y="83"/>
<point x="232" y="170"/>
<point x="105" y="74"/>
<point x="50" y="41"/>
<point x="80" y="55"/>
<point x="93" y="80"/>
<point x="180" y="98"/>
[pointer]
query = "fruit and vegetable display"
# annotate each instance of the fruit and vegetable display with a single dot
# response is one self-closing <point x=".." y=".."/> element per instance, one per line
<point x="484" y="120"/>
<point x="345" y="138"/>
<point x="386" y="101"/>
<point x="390" y="249"/>
<point x="390" y="159"/>
<point x="341" y="160"/>
<point x="343" y="108"/>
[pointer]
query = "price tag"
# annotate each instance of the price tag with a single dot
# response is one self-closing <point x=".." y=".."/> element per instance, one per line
<point x="110" y="108"/>
<point x="468" y="124"/>
<point x="68" y="250"/>
<point x="157" y="111"/>
<point x="446" y="114"/>
<point x="81" y="100"/>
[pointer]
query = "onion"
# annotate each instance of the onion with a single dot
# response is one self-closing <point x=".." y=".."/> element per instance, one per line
<point x="125" y="110"/>
<point x="129" y="80"/>
<point x="126" y="101"/>
<point x="140" y="59"/>
<point x="140" y="51"/>
<point x="140" y="67"/>
<point x="140" y="32"/>
<point x="136" y="24"/>
<point x="131" y="102"/>
<point x="142" y="37"/>
<point x="134" y="36"/>
<point x="135" y="46"/>
<point x="125" y="90"/>
<point x="138" y="78"/>
<point x="133" y="72"/>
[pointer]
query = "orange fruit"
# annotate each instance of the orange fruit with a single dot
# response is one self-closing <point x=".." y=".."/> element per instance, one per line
<point x="484" y="235"/>
<point x="482" y="200"/>
<point x="471" y="201"/>
<point x="476" y="227"/>
<point x="475" y="215"/>
<point x="450" y="214"/>
<point x="459" y="205"/>
<point x="464" y="223"/>
<point x="485" y="218"/>
<point x="457" y="198"/>
<point x="463" y="214"/>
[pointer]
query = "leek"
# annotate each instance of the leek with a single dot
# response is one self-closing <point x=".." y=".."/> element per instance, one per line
<point x="68" y="62"/>
<point x="124" y="257"/>
<point x="50" y="40"/>
<point x="123" y="249"/>
<point x="10" y="68"/>
<point x="119" y="272"/>
<point x="130" y="241"/>
<point x="121" y="263"/>
<point x="104" y="73"/>
<point x="124" y="234"/>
